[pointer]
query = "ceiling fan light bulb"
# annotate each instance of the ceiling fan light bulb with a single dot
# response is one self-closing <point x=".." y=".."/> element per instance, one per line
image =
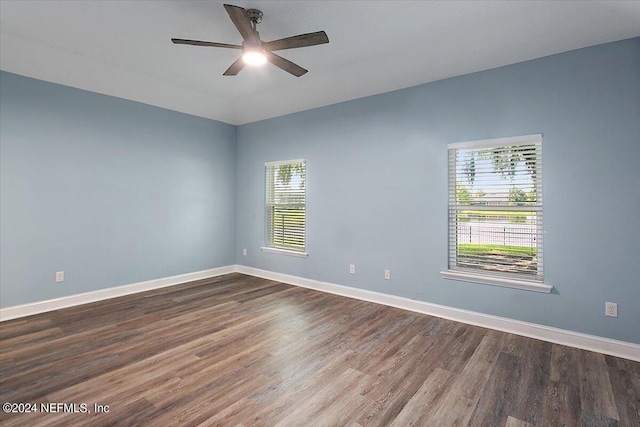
<point x="254" y="57"/>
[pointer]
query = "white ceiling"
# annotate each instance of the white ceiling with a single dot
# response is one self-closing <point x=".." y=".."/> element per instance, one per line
<point x="123" y="48"/>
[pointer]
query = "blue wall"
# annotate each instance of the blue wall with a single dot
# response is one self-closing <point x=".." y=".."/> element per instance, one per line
<point x="377" y="186"/>
<point x="112" y="192"/>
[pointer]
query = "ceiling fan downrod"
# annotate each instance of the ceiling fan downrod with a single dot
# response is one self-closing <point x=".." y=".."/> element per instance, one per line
<point x="255" y="16"/>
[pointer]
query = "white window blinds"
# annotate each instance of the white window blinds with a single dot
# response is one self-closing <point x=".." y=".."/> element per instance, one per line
<point x="285" y="205"/>
<point x="495" y="207"/>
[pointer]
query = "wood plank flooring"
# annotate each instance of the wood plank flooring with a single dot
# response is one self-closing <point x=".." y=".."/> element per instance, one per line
<point x="241" y="351"/>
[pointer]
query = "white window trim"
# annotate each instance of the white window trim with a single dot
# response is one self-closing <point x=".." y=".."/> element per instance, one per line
<point x="284" y="252"/>
<point x="496" y="281"/>
<point x="284" y="162"/>
<point x="279" y="250"/>
<point x="486" y="279"/>
<point x="487" y="143"/>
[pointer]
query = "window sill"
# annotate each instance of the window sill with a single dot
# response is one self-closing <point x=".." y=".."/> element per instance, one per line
<point x="496" y="281"/>
<point x="284" y="252"/>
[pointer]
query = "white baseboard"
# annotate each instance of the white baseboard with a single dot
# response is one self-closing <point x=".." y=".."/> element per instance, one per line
<point x="545" y="333"/>
<point x="23" y="310"/>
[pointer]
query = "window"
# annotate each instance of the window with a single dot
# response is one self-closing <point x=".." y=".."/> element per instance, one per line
<point x="285" y="207"/>
<point x="495" y="212"/>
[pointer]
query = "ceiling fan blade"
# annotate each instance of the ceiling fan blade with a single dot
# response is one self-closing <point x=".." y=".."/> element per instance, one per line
<point x="303" y="40"/>
<point x="201" y="43"/>
<point x="285" y="64"/>
<point x="242" y="22"/>
<point x="235" y="68"/>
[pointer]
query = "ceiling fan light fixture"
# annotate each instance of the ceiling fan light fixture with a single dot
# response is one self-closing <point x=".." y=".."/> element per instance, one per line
<point x="254" y="57"/>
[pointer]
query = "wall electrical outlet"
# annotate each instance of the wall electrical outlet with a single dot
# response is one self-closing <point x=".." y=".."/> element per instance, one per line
<point x="244" y="252"/>
<point x="59" y="276"/>
<point x="352" y="269"/>
<point x="611" y="309"/>
<point x="387" y="275"/>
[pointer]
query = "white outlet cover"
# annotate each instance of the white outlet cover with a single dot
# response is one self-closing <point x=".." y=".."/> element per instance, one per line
<point x="611" y="309"/>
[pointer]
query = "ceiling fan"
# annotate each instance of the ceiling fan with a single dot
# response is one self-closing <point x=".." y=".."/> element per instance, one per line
<point x="254" y="50"/>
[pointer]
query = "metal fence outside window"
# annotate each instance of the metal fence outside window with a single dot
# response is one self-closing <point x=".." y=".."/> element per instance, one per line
<point x="512" y="235"/>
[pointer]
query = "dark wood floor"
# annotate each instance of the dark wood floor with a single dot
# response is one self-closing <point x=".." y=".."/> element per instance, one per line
<point x="238" y="350"/>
